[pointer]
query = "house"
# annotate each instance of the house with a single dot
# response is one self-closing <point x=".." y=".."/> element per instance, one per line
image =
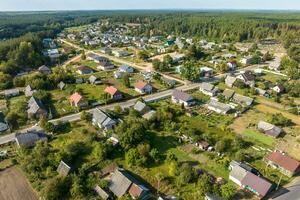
<point x="247" y="77"/>
<point x="29" y="91"/>
<point x="262" y="92"/>
<point x="141" y="107"/>
<point x="44" y="70"/>
<point x="94" y="80"/>
<point x="283" y="162"/>
<point x="208" y="89"/>
<point x="122" y="182"/>
<point x="61" y="85"/>
<point x="79" y="80"/>
<point x="53" y="54"/>
<point x="275" y="64"/>
<point x="84" y="70"/>
<point x="169" y="82"/>
<point x="96" y="58"/>
<point x="114" y="139"/>
<point x="120" y="53"/>
<point x="105" y="65"/>
<point x="177" y="58"/>
<point x="232" y="65"/>
<point x="126" y="69"/>
<point x="247" y="101"/>
<point x="182" y="98"/>
<point x="102" y="193"/>
<point x="256" y="184"/>
<point x="278" y="89"/>
<point x="63" y="169"/>
<point x="149" y="114"/>
<point x="247" y="178"/>
<point x="203" y="145"/>
<point x="30" y="138"/>
<point x="105" y="50"/>
<point x="11" y="93"/>
<point x="228" y="94"/>
<point x="143" y="87"/>
<point x="36" y="109"/>
<point x="218" y="107"/>
<point x="3" y="124"/>
<point x="269" y="129"/>
<point x="206" y="72"/>
<point x="118" y="74"/>
<point x="78" y="101"/>
<point x="230" y="80"/>
<point x="102" y="120"/>
<point x="246" y="60"/>
<point x="113" y="92"/>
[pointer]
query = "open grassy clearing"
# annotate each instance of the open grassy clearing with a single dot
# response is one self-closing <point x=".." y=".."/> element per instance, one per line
<point x="260" y="137"/>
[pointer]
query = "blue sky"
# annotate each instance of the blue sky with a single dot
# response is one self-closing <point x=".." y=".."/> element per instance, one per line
<point x="17" y="5"/>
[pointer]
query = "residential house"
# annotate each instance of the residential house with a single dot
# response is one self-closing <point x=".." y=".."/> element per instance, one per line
<point x="11" y="93"/>
<point x="79" y="80"/>
<point x="206" y="72"/>
<point x="177" y="58"/>
<point x="36" y="109"/>
<point x="168" y="82"/>
<point x="246" y="60"/>
<point x="102" y="193"/>
<point x="247" y="77"/>
<point x="102" y="120"/>
<point x="256" y="184"/>
<point x="178" y="69"/>
<point x="84" y="70"/>
<point x="283" y="162"/>
<point x="30" y="138"/>
<point x="269" y="129"/>
<point x="149" y="114"/>
<point x="275" y="64"/>
<point x="232" y="65"/>
<point x="44" y="70"/>
<point x="228" y="94"/>
<point x="218" y="107"/>
<point x="143" y="87"/>
<point x="141" y="107"/>
<point x="96" y="58"/>
<point x="63" y="169"/>
<point x="114" y="139"/>
<point x="161" y="50"/>
<point x="230" y="80"/>
<point x="3" y="124"/>
<point x="114" y="93"/>
<point x="126" y="69"/>
<point x="246" y="101"/>
<point x="122" y="182"/>
<point x="53" y="54"/>
<point x="78" y="100"/>
<point x="118" y="74"/>
<point x="61" y="85"/>
<point x="105" y="50"/>
<point x="94" y="80"/>
<point x="208" y="89"/>
<point x="105" y="65"/>
<point x="262" y="92"/>
<point x="182" y="98"/>
<point x="278" y="89"/>
<point x="29" y="91"/>
<point x="120" y="53"/>
<point x="203" y="145"/>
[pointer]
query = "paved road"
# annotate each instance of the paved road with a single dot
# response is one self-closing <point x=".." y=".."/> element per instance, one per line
<point x="290" y="192"/>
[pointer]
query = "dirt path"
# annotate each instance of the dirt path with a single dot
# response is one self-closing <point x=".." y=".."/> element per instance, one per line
<point x="15" y="186"/>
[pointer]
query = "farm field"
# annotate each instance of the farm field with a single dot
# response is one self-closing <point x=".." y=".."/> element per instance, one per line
<point x="14" y="186"/>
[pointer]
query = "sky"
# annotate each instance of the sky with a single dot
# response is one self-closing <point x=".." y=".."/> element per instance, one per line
<point x="33" y="5"/>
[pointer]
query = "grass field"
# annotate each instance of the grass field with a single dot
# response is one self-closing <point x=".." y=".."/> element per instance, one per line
<point x="14" y="186"/>
<point x="251" y="134"/>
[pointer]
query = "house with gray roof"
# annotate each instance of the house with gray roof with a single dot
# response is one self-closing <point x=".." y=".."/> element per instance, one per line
<point x="3" y="124"/>
<point x="218" y="107"/>
<point x="168" y="82"/>
<point x="182" y="98"/>
<point x="230" y="80"/>
<point x="102" y="193"/>
<point x="94" y="80"/>
<point x="36" y="108"/>
<point x="30" y="138"/>
<point x="228" y="94"/>
<point x="126" y="69"/>
<point x="102" y="120"/>
<point x="63" y="169"/>
<point x="44" y="70"/>
<point x="208" y="89"/>
<point x="141" y="107"/>
<point x="11" y="93"/>
<point x="247" y="77"/>
<point x="29" y="91"/>
<point x="269" y="129"/>
<point x="243" y="100"/>
<point x="61" y="85"/>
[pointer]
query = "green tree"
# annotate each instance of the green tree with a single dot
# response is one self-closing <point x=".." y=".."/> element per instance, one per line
<point x="126" y="80"/>
<point x="228" y="190"/>
<point x="57" y="188"/>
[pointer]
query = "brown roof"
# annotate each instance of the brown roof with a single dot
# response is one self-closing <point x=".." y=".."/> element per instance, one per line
<point x="111" y="90"/>
<point x="135" y="191"/>
<point x="261" y="186"/>
<point x="283" y="161"/>
<point x="76" y="97"/>
<point x="140" y="84"/>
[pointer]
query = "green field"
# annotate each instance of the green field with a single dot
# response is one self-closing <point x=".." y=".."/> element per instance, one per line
<point x="257" y="136"/>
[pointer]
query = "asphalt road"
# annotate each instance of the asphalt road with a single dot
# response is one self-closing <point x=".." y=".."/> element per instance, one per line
<point x="291" y="192"/>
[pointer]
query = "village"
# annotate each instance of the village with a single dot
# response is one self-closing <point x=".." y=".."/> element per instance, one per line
<point x="232" y="116"/>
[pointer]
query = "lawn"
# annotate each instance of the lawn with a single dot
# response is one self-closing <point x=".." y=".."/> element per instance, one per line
<point x="257" y="136"/>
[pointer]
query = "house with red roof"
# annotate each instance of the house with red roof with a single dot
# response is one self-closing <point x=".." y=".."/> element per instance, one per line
<point x="283" y="163"/>
<point x="78" y="100"/>
<point x="113" y="92"/>
<point x="143" y="87"/>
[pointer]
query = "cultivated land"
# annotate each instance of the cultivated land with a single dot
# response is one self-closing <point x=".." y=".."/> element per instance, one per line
<point x="15" y="186"/>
